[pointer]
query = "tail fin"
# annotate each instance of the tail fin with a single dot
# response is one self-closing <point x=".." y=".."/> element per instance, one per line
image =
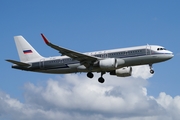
<point x="25" y="50"/>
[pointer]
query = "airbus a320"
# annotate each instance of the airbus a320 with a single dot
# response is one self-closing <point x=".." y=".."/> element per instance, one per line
<point x="117" y="62"/>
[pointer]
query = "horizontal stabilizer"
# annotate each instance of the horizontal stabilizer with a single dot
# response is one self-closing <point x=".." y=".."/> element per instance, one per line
<point x="19" y="63"/>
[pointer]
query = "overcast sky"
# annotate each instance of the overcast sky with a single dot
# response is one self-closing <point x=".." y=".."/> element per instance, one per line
<point x="90" y="26"/>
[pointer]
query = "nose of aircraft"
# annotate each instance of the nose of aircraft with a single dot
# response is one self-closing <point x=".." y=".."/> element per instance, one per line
<point x="170" y="54"/>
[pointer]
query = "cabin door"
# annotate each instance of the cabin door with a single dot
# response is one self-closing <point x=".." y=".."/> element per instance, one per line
<point x="104" y="55"/>
<point x="41" y="63"/>
<point x="148" y="49"/>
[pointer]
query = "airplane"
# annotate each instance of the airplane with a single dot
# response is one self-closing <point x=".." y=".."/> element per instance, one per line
<point x="117" y="62"/>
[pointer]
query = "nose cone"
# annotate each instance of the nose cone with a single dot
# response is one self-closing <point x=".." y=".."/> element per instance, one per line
<point x="169" y="54"/>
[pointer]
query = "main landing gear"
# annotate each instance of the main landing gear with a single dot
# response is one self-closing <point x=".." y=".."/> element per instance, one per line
<point x="100" y="79"/>
<point x="151" y="70"/>
<point x="90" y="75"/>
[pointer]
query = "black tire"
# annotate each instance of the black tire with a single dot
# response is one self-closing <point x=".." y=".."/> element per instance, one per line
<point x="152" y="71"/>
<point x="101" y="80"/>
<point x="90" y="75"/>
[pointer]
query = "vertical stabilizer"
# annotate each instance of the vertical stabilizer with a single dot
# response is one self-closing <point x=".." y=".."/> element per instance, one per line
<point x="25" y="50"/>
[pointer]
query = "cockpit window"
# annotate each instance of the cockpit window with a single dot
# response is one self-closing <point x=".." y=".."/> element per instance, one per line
<point x="161" y="49"/>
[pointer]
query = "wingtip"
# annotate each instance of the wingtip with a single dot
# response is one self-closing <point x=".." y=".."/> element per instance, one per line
<point x="45" y="39"/>
<point x="7" y="60"/>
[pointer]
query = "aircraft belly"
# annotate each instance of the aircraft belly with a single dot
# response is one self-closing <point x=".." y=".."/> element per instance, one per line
<point x="58" y="71"/>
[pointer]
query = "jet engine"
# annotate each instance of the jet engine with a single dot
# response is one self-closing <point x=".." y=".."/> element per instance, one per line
<point x="122" y="72"/>
<point x="109" y="63"/>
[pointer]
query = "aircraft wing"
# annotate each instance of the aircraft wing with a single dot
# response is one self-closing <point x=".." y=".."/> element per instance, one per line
<point x="83" y="58"/>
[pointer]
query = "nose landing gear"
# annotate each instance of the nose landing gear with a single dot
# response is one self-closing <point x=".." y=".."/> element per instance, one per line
<point x="151" y="70"/>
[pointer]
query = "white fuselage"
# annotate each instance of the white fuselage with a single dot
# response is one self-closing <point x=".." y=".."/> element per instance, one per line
<point x="115" y="61"/>
<point x="131" y="56"/>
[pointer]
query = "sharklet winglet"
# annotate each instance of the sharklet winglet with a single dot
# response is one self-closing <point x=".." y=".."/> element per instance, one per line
<point x="45" y="39"/>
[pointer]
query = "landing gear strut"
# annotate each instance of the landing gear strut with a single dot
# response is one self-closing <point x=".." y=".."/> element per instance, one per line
<point x="151" y="70"/>
<point x="101" y="79"/>
<point x="90" y="75"/>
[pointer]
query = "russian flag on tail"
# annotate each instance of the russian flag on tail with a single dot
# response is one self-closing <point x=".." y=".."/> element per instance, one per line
<point x="27" y="51"/>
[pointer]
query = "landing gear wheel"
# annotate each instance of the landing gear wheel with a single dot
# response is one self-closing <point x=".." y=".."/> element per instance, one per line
<point x="101" y="80"/>
<point x="152" y="71"/>
<point x="90" y="75"/>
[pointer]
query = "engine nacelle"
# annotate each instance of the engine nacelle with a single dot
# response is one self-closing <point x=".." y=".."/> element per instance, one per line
<point x="109" y="63"/>
<point x="122" y="72"/>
